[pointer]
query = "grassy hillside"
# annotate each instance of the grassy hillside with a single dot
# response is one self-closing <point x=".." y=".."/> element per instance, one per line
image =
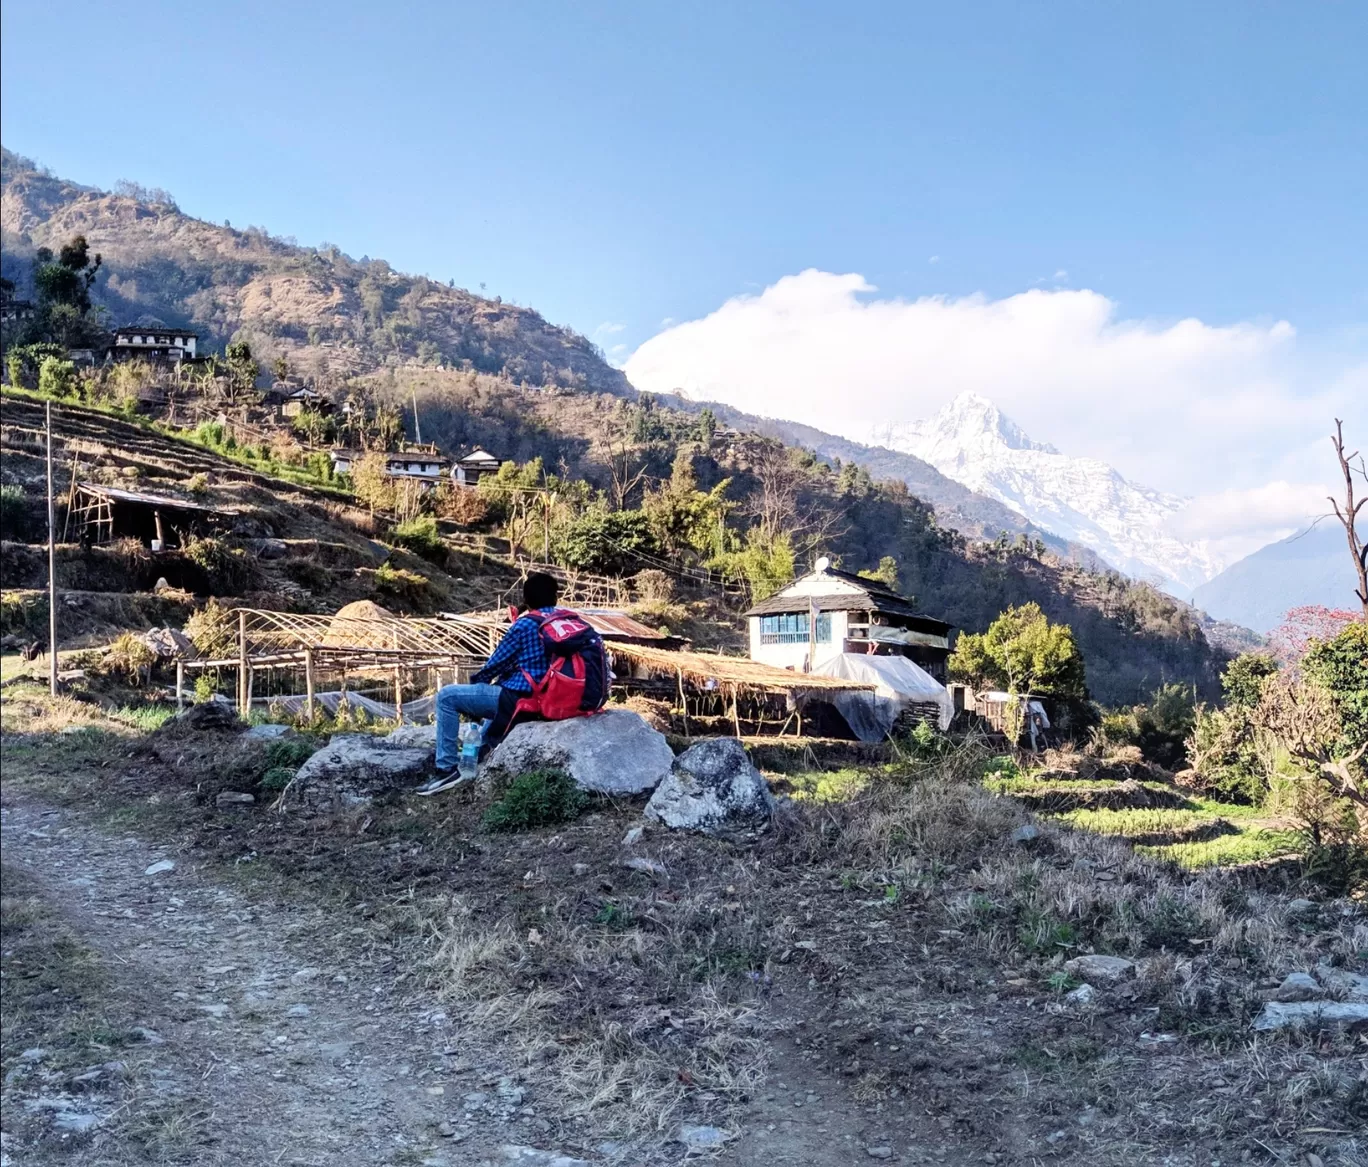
<point x="327" y="313"/>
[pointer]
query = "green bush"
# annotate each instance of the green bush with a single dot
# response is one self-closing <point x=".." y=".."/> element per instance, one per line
<point x="206" y="685"/>
<point x="420" y="535"/>
<point x="14" y="514"/>
<point x="538" y="798"/>
<point x="228" y="570"/>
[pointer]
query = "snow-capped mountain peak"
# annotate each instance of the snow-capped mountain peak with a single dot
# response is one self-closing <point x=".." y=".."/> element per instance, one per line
<point x="1081" y="499"/>
<point x="971" y="421"/>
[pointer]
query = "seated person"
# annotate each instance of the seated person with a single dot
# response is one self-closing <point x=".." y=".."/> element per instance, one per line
<point x="497" y="686"/>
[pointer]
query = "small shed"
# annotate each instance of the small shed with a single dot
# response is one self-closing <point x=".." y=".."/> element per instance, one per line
<point x="104" y="513"/>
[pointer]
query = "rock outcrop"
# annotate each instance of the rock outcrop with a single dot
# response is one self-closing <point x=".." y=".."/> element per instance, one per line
<point x="354" y="769"/>
<point x="713" y="788"/>
<point x="613" y="752"/>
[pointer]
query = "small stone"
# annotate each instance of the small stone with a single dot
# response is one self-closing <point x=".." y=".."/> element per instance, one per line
<point x="703" y="1138"/>
<point x="234" y="798"/>
<point x="580" y="869"/>
<point x="647" y="866"/>
<point x="1085" y="994"/>
<point x="215" y="1011"/>
<point x="879" y="1152"/>
<point x="149" y="1036"/>
<point x="1097" y="967"/>
<point x="306" y="974"/>
<point x="532" y="1157"/>
<point x="633" y="837"/>
<point x="1301" y="908"/>
<point x="1027" y="834"/>
<point x="297" y="1011"/>
<point x="160" y="866"/>
<point x="1299" y="986"/>
<point x="75" y="1122"/>
<point x="267" y="732"/>
<point x="36" y="1054"/>
<point x="1313" y="1014"/>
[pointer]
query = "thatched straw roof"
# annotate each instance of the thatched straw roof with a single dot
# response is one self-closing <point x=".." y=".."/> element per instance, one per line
<point x="708" y="670"/>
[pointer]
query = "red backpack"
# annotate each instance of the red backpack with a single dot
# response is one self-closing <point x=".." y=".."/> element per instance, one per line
<point x="577" y="674"/>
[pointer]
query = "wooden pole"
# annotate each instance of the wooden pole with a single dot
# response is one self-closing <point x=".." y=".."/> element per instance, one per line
<point x="161" y="535"/>
<point x="736" y="716"/>
<point x="52" y="565"/>
<point x="309" y="684"/>
<point x="398" y="695"/>
<point x="242" y="665"/>
<point x="180" y="685"/>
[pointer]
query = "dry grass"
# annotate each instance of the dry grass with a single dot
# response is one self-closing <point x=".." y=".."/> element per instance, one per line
<point x="634" y="1005"/>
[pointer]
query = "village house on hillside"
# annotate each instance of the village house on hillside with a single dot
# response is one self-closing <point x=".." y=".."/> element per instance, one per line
<point x="153" y="343"/>
<point x="423" y="463"/>
<point x="290" y="400"/>
<point x="470" y="468"/>
<point x="829" y="612"/>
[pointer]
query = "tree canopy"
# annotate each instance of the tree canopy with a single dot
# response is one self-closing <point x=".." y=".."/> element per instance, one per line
<point x="1023" y="652"/>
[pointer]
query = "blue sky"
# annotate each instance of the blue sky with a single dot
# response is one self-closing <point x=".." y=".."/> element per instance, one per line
<point x="626" y="163"/>
<point x="622" y="165"/>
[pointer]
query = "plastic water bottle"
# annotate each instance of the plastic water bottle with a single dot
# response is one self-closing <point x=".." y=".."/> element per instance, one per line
<point x="471" y="737"/>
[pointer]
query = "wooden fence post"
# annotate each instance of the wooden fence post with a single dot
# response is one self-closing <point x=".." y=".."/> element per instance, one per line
<point x="242" y="665"/>
<point x="309" y="684"/>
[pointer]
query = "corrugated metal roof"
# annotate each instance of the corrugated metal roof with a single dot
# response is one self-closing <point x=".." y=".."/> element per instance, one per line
<point x="610" y="623"/>
<point x="114" y="494"/>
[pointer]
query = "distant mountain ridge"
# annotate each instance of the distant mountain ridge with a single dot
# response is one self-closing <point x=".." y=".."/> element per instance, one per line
<point x="1080" y="500"/>
<point x="1310" y="567"/>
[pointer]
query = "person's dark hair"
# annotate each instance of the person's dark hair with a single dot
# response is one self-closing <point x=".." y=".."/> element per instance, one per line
<point x="539" y="590"/>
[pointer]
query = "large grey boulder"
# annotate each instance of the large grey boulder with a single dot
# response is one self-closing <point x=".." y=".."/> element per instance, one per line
<point x="613" y="752"/>
<point x="713" y="788"/>
<point x="353" y="769"/>
<point x="412" y="737"/>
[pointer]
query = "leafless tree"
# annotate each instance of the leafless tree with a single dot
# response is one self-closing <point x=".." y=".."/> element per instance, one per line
<point x="627" y="471"/>
<point x="1348" y="516"/>
<point x="779" y="505"/>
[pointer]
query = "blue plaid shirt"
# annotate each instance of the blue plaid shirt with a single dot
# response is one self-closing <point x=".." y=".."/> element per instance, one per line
<point x="519" y="651"/>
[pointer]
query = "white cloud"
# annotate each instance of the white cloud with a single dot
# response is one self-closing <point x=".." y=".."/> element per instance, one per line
<point x="1184" y="406"/>
<point x="1238" y="522"/>
<point x="608" y="327"/>
<point x="934" y="259"/>
<point x="1061" y="274"/>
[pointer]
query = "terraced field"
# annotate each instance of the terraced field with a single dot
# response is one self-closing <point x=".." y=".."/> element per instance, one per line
<point x="1156" y="817"/>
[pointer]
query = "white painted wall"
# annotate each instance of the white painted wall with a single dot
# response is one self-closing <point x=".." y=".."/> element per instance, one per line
<point x="794" y="656"/>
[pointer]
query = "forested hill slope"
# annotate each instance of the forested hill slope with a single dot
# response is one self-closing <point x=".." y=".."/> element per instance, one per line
<point x="324" y="311"/>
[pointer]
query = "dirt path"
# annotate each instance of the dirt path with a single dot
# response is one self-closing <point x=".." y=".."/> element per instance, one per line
<point x="244" y="1032"/>
<point x="264" y="1035"/>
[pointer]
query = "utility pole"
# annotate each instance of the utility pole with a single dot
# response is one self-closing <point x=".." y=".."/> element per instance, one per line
<point x="52" y="565"/>
<point x="417" y="432"/>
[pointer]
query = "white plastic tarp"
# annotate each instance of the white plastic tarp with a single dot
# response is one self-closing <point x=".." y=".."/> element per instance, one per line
<point x="898" y="683"/>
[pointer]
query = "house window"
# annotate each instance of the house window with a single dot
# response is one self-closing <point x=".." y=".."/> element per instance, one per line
<point x="792" y="628"/>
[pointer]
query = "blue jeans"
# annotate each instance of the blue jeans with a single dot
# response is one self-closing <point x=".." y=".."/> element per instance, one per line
<point x="475" y="702"/>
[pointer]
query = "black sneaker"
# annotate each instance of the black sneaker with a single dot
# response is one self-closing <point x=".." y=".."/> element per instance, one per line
<point x="442" y="780"/>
